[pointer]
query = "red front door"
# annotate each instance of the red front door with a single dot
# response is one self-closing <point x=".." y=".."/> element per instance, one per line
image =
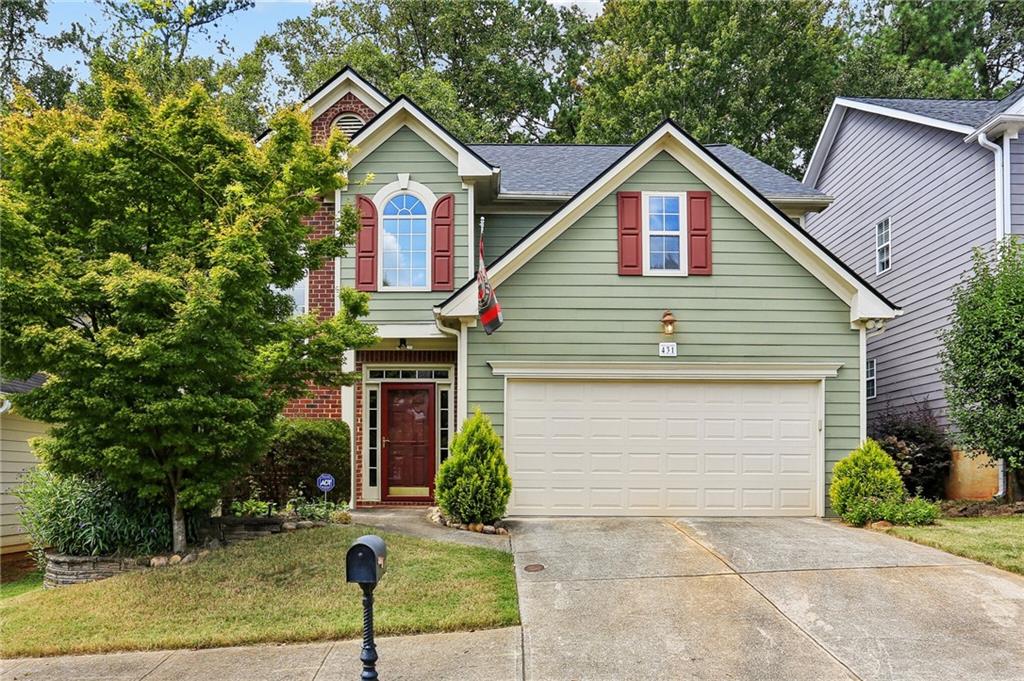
<point x="407" y="441"/>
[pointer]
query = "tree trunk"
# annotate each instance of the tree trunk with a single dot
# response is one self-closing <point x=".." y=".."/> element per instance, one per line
<point x="178" y="526"/>
<point x="1014" y="484"/>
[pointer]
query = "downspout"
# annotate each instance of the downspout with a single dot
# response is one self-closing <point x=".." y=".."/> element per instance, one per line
<point x="1007" y="185"/>
<point x="997" y="150"/>
<point x="460" y="365"/>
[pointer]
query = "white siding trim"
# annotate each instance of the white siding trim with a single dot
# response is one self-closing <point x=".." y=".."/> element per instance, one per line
<point x="725" y="371"/>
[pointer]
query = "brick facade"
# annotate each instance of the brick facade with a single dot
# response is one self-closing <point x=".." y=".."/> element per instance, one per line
<point x="349" y="103"/>
<point x="396" y="358"/>
<point x="325" y="403"/>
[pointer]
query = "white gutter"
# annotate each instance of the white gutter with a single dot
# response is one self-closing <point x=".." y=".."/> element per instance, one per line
<point x="5" y="406"/>
<point x="1007" y="186"/>
<point x="1001" y="194"/>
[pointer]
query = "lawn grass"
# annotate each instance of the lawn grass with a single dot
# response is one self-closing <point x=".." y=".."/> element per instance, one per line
<point x="997" y="540"/>
<point x="280" y="589"/>
<point x="28" y="582"/>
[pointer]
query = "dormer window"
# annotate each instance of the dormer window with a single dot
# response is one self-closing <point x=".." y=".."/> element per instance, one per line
<point x="405" y="244"/>
<point x="348" y="123"/>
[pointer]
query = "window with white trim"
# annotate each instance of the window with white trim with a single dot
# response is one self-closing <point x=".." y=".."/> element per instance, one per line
<point x="883" y="246"/>
<point x="299" y="294"/>
<point x="869" y="379"/>
<point x="664" y="217"/>
<point x="405" y="244"/>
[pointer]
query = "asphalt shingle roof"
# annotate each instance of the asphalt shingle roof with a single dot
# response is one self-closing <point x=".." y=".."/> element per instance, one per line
<point x="971" y="112"/>
<point x="559" y="170"/>
<point x="12" y="385"/>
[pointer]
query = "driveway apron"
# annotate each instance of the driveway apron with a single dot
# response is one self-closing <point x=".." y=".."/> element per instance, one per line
<point x="787" y="599"/>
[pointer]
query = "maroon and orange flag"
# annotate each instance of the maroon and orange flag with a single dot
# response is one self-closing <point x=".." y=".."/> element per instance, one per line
<point x="487" y="302"/>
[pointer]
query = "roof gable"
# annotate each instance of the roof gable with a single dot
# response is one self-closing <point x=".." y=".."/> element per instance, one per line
<point x="864" y="301"/>
<point x="954" y="115"/>
<point x="404" y="113"/>
<point x="337" y="86"/>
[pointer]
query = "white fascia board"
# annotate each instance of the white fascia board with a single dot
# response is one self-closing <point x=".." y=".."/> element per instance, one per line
<point x="998" y="125"/>
<point x="863" y="302"/>
<point x="905" y="116"/>
<point x="708" y="371"/>
<point x="404" y="113"/>
<point x="346" y="81"/>
<point x="824" y="144"/>
<point x="424" y="330"/>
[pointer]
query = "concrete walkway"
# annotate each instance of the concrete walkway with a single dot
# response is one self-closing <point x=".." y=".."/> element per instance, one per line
<point x="744" y="598"/>
<point x="414" y="522"/>
<point x="470" y="656"/>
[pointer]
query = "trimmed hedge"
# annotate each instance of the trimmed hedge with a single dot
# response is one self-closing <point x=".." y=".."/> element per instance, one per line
<point x="866" y="486"/>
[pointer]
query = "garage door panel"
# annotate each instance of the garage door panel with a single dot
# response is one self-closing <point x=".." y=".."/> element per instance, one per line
<point x="661" y="448"/>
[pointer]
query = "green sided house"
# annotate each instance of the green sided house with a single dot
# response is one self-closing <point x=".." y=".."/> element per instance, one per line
<point x="606" y="407"/>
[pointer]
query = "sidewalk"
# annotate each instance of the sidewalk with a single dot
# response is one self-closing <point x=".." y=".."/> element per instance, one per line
<point x="471" y="656"/>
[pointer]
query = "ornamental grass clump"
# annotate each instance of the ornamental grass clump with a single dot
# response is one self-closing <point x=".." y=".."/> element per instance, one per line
<point x="473" y="484"/>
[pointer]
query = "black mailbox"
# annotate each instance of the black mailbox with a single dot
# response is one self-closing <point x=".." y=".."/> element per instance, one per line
<point x="365" y="562"/>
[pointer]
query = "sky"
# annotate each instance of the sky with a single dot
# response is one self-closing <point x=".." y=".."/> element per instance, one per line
<point x="241" y="29"/>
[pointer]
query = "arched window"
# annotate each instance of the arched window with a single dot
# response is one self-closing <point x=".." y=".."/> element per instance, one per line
<point x="349" y="123"/>
<point x="405" y="246"/>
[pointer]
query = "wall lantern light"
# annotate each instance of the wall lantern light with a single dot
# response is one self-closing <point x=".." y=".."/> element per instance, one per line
<point x="668" y="323"/>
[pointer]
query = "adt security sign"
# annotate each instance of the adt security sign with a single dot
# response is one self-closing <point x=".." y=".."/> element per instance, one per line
<point x="325" y="483"/>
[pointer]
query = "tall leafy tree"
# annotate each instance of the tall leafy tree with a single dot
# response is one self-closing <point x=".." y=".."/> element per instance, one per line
<point x="144" y="252"/>
<point x="24" y="49"/>
<point x="490" y="70"/>
<point x="935" y="48"/>
<point x="983" y="360"/>
<point x="757" y="74"/>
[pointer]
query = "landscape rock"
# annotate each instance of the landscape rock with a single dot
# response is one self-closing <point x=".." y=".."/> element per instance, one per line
<point x="189" y="558"/>
<point x="203" y="554"/>
<point x="174" y="560"/>
<point x="288" y="526"/>
<point x="304" y="524"/>
<point x="489" y="529"/>
<point x="881" y="525"/>
<point x="477" y="527"/>
<point x="501" y="530"/>
<point x="158" y="561"/>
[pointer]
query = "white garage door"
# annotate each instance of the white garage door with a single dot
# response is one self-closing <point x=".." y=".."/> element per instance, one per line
<point x="663" y="448"/>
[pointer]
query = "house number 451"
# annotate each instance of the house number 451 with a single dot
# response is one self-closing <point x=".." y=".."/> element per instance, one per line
<point x="666" y="349"/>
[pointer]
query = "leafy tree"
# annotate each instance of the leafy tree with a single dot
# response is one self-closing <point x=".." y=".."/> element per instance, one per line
<point x="144" y="251"/>
<point x="493" y="70"/>
<point x="760" y="75"/>
<point x="23" y="49"/>
<point x="923" y="48"/>
<point x="983" y="360"/>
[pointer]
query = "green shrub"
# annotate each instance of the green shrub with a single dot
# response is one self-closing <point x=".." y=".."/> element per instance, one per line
<point x="920" y="448"/>
<point x="316" y="510"/>
<point x="473" y="485"/>
<point x="913" y="511"/>
<point x="300" y="450"/>
<point x="86" y="516"/>
<point x="867" y="474"/>
<point x="251" y="508"/>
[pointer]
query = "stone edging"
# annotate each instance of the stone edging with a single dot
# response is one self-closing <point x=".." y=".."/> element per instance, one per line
<point x="65" y="570"/>
<point x="435" y="516"/>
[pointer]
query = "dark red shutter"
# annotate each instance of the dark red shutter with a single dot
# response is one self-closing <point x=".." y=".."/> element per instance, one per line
<point x="366" y="245"/>
<point x="631" y="249"/>
<point x="442" y="236"/>
<point x="698" y="232"/>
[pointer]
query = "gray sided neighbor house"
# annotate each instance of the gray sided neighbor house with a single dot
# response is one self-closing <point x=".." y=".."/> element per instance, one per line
<point x="741" y="407"/>
<point x="918" y="185"/>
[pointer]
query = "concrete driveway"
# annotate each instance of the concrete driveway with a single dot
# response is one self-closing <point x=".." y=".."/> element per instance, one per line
<point x="788" y="599"/>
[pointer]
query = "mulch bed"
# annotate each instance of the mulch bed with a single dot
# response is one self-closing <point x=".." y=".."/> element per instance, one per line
<point x="976" y="509"/>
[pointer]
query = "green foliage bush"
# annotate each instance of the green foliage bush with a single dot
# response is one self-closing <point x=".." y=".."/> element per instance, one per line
<point x="86" y="516"/>
<point x="316" y="510"/>
<point x="473" y="485"/>
<point x="300" y="450"/>
<point x="920" y="448"/>
<point x="866" y="486"/>
<point x="867" y="473"/>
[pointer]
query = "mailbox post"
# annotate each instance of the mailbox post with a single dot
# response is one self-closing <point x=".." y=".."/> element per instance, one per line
<point x="365" y="565"/>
